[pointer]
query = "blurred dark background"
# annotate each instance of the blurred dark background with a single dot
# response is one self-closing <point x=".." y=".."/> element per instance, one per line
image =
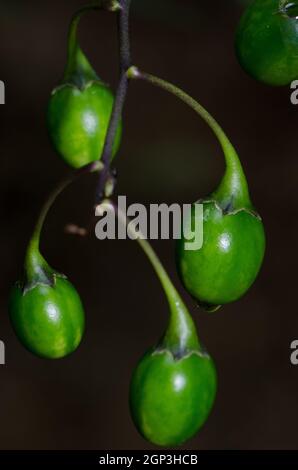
<point x="167" y="155"/>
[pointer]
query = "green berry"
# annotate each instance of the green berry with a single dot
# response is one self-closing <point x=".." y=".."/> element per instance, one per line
<point x="267" y="41"/>
<point x="230" y="258"/>
<point x="171" y="398"/>
<point x="48" y="318"/>
<point x="78" y="115"/>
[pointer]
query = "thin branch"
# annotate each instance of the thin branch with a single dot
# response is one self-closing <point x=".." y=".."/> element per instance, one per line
<point x="180" y="336"/>
<point x="106" y="176"/>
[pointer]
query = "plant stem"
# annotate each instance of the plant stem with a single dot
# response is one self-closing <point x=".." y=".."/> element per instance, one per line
<point x="77" y="64"/>
<point x="33" y="256"/>
<point x="234" y="180"/>
<point x="180" y="336"/>
<point x="73" y="30"/>
<point x="125" y="63"/>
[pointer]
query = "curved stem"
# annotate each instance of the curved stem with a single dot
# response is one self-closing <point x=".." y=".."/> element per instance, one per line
<point x="110" y="5"/>
<point x="73" y="30"/>
<point x="77" y="62"/>
<point x="125" y="63"/>
<point x="33" y="259"/>
<point x="234" y="184"/>
<point x="180" y="336"/>
<point x="78" y="69"/>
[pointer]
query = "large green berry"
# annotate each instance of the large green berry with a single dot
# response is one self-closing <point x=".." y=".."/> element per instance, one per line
<point x="45" y="309"/>
<point x="267" y="41"/>
<point x="173" y="387"/>
<point x="48" y="318"/>
<point x="171" y="398"/>
<point x="80" y="108"/>
<point x="78" y="120"/>
<point x="226" y="265"/>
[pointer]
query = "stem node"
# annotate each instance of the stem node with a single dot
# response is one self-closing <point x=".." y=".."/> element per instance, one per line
<point x="113" y="6"/>
<point x="133" y="72"/>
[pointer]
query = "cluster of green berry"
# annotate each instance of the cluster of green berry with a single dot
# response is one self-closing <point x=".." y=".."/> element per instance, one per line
<point x="174" y="385"/>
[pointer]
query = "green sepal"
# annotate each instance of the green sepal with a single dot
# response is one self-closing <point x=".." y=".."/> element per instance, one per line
<point x="37" y="270"/>
<point x="228" y="209"/>
<point x="232" y="194"/>
<point x="179" y="355"/>
<point x="79" y="71"/>
<point x="45" y="279"/>
<point x="180" y="337"/>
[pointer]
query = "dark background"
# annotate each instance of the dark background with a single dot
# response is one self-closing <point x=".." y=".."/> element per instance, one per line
<point x="167" y="155"/>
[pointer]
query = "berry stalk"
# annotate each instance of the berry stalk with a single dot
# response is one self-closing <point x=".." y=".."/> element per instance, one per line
<point x="34" y="259"/>
<point x="180" y="336"/>
<point x="233" y="189"/>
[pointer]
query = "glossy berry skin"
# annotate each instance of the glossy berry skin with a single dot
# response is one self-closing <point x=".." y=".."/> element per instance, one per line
<point x="229" y="260"/>
<point x="267" y="41"/>
<point x="48" y="319"/>
<point x="170" y="399"/>
<point x="78" y="119"/>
